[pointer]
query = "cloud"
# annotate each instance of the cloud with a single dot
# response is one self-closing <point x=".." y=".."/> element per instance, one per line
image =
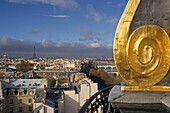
<point x="87" y="34"/>
<point x="108" y="31"/>
<point x="12" y="45"/>
<point x="20" y="1"/>
<point x="109" y="46"/>
<point x="59" y="44"/>
<point x="24" y="48"/>
<point x="99" y="39"/>
<point x="58" y="16"/>
<point x="92" y="14"/>
<point x="60" y="3"/>
<point x="35" y="31"/>
<point x="119" y="5"/>
<point x="63" y="44"/>
<point x="113" y="21"/>
<point x="47" y="43"/>
<point x="94" y="45"/>
<point x="5" y="40"/>
<point x="108" y="2"/>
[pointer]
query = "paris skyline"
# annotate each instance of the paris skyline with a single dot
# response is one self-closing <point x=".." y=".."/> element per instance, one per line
<point x="67" y="28"/>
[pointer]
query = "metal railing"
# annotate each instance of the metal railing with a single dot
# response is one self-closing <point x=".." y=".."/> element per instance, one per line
<point x="98" y="99"/>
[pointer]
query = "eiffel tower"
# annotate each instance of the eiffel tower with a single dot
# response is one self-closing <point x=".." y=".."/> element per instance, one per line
<point x="34" y="55"/>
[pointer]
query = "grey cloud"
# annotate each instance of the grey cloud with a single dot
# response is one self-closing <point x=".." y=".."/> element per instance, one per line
<point x="47" y="43"/>
<point x="24" y="48"/>
<point x="108" y="31"/>
<point x="61" y="3"/>
<point x="6" y="41"/>
<point x="35" y="31"/>
<point x="63" y="44"/>
<point x="93" y="14"/>
<point x="119" y="5"/>
<point x="108" y="2"/>
<point x="12" y="45"/>
<point x="87" y="34"/>
<point x="99" y="39"/>
<point x="113" y="21"/>
<point x="93" y="45"/>
<point x="20" y="1"/>
<point x="58" y="16"/>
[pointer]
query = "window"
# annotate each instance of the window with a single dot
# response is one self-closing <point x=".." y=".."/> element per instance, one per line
<point x="45" y="109"/>
<point x="16" y="92"/>
<point x="20" y="101"/>
<point x="56" y="111"/>
<point x="20" y="93"/>
<point x="56" y="104"/>
<point x="11" y="101"/>
<point x="11" y="110"/>
<point x="31" y="93"/>
<point x="30" y="108"/>
<point x="30" y="101"/>
<point x="25" y="91"/>
<point x="11" y="93"/>
<point x="20" y="109"/>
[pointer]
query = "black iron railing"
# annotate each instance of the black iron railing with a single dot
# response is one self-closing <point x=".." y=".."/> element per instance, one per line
<point x="99" y="99"/>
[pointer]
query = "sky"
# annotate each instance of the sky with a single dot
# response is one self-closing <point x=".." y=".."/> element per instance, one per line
<point x="59" y="28"/>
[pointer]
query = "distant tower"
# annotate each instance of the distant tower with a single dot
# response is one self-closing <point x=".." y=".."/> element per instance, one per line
<point x="34" y="55"/>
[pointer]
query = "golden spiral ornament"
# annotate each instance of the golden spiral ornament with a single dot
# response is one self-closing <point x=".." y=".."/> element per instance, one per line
<point x="147" y="55"/>
<point x="143" y="58"/>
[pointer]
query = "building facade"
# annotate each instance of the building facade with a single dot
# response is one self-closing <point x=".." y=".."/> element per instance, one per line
<point x="18" y="95"/>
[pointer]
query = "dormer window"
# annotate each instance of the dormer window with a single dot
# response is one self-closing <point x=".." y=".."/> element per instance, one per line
<point x="16" y="92"/>
<point x="11" y="94"/>
<point x="25" y="91"/>
<point x="20" y="101"/>
<point x="20" y="93"/>
<point x="30" y="93"/>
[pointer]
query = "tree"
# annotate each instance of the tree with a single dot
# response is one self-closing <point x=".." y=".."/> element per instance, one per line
<point x="85" y="67"/>
<point x="92" y="72"/>
<point x="103" y="74"/>
<point x="24" y="66"/>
